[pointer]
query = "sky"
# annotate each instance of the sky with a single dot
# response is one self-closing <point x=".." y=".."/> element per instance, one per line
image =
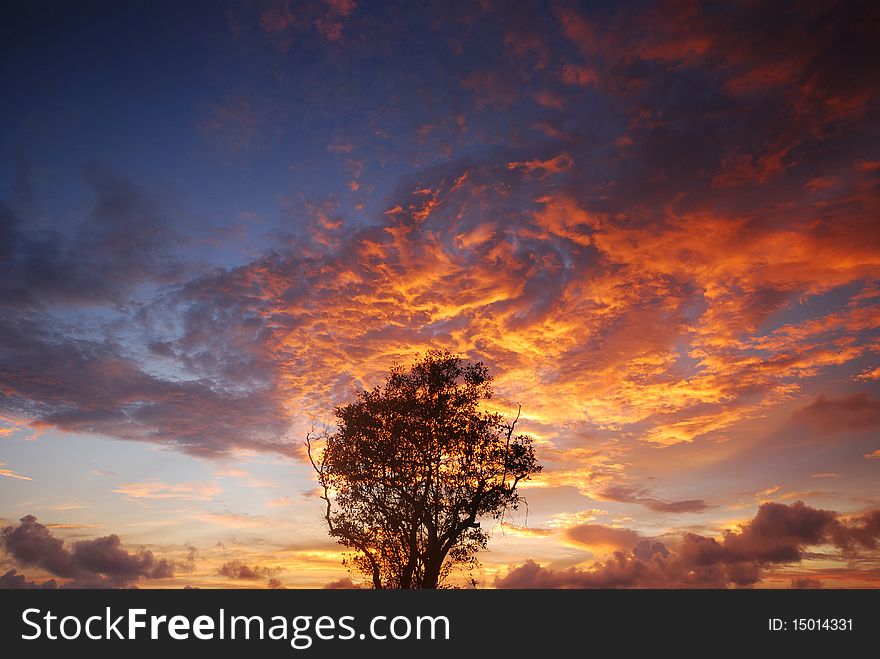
<point x="657" y="223"/>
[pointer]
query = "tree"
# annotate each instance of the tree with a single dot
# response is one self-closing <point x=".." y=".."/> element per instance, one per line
<point x="412" y="467"/>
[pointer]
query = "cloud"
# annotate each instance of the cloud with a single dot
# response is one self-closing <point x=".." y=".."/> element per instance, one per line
<point x="777" y="535"/>
<point x="598" y="535"/>
<point x="86" y="386"/>
<point x="344" y="583"/>
<point x="738" y="168"/>
<point x="195" y="491"/>
<point x="556" y="165"/>
<point x="627" y="494"/>
<point x="603" y="274"/>
<point x="676" y="37"/>
<point x="283" y="23"/>
<point x="237" y="570"/>
<point x="646" y="549"/>
<point x="12" y="580"/>
<point x="231" y="520"/>
<point x="75" y="504"/>
<point x="57" y="374"/>
<point x="852" y="412"/>
<point x="869" y="374"/>
<point x="858" y="533"/>
<point x="527" y="531"/>
<point x="127" y="237"/>
<point x="773" y="489"/>
<point x="511" y="291"/>
<point x="573" y="74"/>
<point x="245" y="478"/>
<point x="686" y="243"/>
<point x="72" y="526"/>
<point x="620" y="571"/>
<point x="11" y="474"/>
<point x="105" y="556"/>
<point x="331" y="23"/>
<point x="98" y="563"/>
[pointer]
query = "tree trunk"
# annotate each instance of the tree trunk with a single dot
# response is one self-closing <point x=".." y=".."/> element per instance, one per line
<point x="433" y="563"/>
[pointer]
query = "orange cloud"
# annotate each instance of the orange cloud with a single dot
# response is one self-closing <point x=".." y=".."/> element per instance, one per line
<point x="194" y="491"/>
<point x="556" y="165"/>
<point x="230" y="520"/>
<point x="769" y="491"/>
<point x="870" y="374"/>
<point x="11" y="474"/>
<point x="657" y="323"/>
<point x="600" y="536"/>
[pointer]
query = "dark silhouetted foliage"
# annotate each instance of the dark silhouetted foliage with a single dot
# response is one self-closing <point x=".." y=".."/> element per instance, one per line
<point x="412" y="467"/>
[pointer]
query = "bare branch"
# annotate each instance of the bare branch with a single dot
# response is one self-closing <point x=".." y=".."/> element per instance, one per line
<point x="322" y="481"/>
<point x="510" y="428"/>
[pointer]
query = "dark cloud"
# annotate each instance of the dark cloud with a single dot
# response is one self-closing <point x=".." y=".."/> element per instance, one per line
<point x="107" y="557"/>
<point x="187" y="564"/>
<point x="12" y="580"/>
<point x="531" y="575"/>
<point x="127" y="237"/>
<point x="98" y="563"/>
<point x="344" y="583"/>
<point x="859" y="533"/>
<point x="804" y="583"/>
<point x="56" y="373"/>
<point x="87" y="386"/>
<point x="54" y="376"/>
<point x="31" y="543"/>
<point x="646" y="549"/>
<point x="238" y="570"/>
<point x="852" y="412"/>
<point x="777" y="535"/>
<point x="620" y="571"/>
<point x="756" y="85"/>
<point x="627" y="494"/>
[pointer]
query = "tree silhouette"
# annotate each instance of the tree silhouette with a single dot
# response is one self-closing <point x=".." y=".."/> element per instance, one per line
<point x="413" y="465"/>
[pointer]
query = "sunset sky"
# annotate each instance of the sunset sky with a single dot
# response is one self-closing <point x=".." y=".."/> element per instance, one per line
<point x="658" y="224"/>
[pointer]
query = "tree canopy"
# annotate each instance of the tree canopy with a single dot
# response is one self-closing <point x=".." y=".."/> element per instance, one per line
<point x="412" y="467"/>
